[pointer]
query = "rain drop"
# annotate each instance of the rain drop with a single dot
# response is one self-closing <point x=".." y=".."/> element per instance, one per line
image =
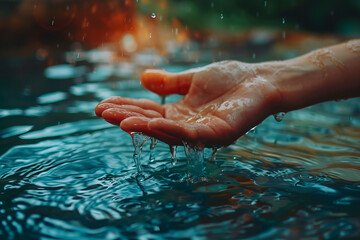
<point x="150" y="35"/>
<point x="221" y="16"/>
<point x="153" y="15"/>
<point x="279" y="116"/>
<point x="283" y="20"/>
<point x="265" y="3"/>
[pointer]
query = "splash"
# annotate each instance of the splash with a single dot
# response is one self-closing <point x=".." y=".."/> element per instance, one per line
<point x="279" y="116"/>
<point x="195" y="160"/>
<point x="138" y="140"/>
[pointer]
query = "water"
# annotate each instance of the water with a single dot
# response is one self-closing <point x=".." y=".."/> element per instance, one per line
<point x="66" y="174"/>
<point x="152" y="147"/>
<point x="279" y="116"/>
<point x="138" y="141"/>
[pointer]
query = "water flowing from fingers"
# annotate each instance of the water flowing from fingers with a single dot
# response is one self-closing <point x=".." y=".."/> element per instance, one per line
<point x="195" y="161"/>
<point x="173" y="155"/>
<point x="138" y="140"/>
<point x="152" y="147"/>
<point x="163" y="99"/>
<point x="213" y="153"/>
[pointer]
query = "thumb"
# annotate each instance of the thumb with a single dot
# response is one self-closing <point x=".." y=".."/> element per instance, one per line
<point x="164" y="83"/>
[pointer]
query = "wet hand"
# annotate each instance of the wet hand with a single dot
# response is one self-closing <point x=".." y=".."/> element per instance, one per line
<point x="222" y="102"/>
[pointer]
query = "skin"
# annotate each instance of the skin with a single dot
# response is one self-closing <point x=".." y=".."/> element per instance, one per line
<point x="224" y="100"/>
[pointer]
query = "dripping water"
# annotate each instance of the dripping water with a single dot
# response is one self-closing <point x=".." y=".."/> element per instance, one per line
<point x="163" y="99"/>
<point x="213" y="153"/>
<point x="279" y="116"/>
<point x="138" y="140"/>
<point x="195" y="161"/>
<point x="152" y="147"/>
<point x="173" y="155"/>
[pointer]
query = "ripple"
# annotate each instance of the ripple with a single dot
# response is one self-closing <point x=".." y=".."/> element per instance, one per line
<point x="15" y="130"/>
<point x="51" y="97"/>
<point x="67" y="128"/>
<point x="64" y="71"/>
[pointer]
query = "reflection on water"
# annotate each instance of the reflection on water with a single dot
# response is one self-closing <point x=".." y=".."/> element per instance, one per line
<point x="65" y="173"/>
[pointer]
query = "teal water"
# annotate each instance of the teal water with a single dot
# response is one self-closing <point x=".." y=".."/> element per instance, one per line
<point x="66" y="174"/>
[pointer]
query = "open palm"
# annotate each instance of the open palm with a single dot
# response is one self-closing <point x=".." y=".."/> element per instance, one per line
<point x="222" y="102"/>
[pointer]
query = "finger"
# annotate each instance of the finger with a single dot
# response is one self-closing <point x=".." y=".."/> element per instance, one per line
<point x="115" y="115"/>
<point x="140" y="124"/>
<point x="129" y="108"/>
<point x="142" y="103"/>
<point x="164" y="83"/>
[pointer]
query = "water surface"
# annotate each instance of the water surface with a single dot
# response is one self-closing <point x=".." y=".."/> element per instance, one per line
<point x="66" y="174"/>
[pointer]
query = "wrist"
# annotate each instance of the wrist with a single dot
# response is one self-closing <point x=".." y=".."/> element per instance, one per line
<point x="294" y="81"/>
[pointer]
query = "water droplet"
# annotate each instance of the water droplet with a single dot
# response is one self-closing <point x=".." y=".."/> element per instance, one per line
<point x="173" y="154"/>
<point x="67" y="7"/>
<point x="283" y="34"/>
<point x="265" y="3"/>
<point x="52" y="22"/>
<point x="221" y="16"/>
<point x="212" y="4"/>
<point x="150" y="35"/>
<point x="254" y="55"/>
<point x="138" y="140"/>
<point x="153" y="15"/>
<point x="279" y="116"/>
<point x="176" y="31"/>
<point x="283" y="20"/>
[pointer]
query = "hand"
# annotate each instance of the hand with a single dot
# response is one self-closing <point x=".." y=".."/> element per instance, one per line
<point x="222" y="102"/>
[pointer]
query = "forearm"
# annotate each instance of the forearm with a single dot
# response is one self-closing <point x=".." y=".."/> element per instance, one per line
<point x="326" y="74"/>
